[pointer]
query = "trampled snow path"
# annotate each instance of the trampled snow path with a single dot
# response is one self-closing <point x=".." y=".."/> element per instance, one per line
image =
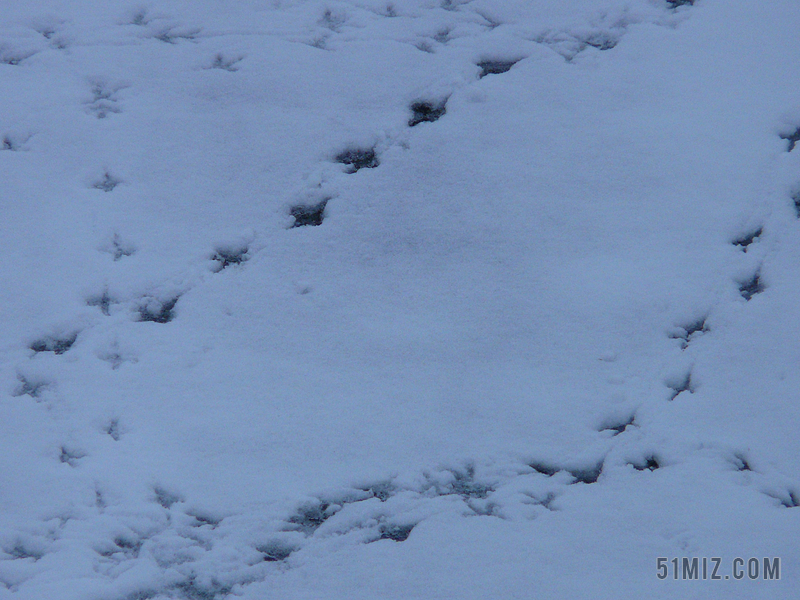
<point x="402" y="300"/>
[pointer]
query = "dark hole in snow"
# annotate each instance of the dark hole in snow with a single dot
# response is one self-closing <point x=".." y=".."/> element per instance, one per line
<point x="684" y="385"/>
<point x="158" y="311"/>
<point x="309" y="215"/>
<point x="426" y="112"/>
<point x="544" y="469"/>
<point x="166" y="498"/>
<point x="746" y="240"/>
<point x="752" y="287"/>
<point x="8" y="144"/>
<point x="588" y="474"/>
<point x="677" y="3"/>
<point x="70" y="457"/>
<point x="396" y="533"/>
<point x="20" y="552"/>
<point x="54" y="344"/>
<point x="619" y="427"/>
<point x="792" y="138"/>
<point x="650" y="464"/>
<point x="358" y="158"/>
<point x="226" y="257"/>
<point x="495" y="67"/>
<point x="107" y="183"/>
<point x="275" y="552"/>
<point x="309" y="517"/>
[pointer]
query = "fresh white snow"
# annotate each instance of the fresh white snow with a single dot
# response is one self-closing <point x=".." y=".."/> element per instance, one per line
<point x="533" y="345"/>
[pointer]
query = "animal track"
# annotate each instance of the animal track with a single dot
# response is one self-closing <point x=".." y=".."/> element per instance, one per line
<point x="312" y="215"/>
<point x="107" y="183"/>
<point x="751" y="287"/>
<point x="649" y="463"/>
<point x="171" y="35"/>
<point x="226" y="64"/>
<point x="680" y="386"/>
<point x="276" y="551"/>
<point x="677" y="3"/>
<point x="495" y="67"/>
<point x="12" y="57"/>
<point x="426" y="112"/>
<point x="587" y="475"/>
<point x="309" y="517"/>
<point x="31" y="387"/>
<point x="796" y="202"/>
<point x="358" y="158"/>
<point x="103" y="302"/>
<point x="118" y="247"/>
<point x="166" y="498"/>
<point x="226" y="256"/>
<point x="746" y="240"/>
<point x="396" y="533"/>
<point x="113" y="429"/>
<point x="104" y="100"/>
<point x="619" y="427"/>
<point x="690" y="332"/>
<point x="158" y="311"/>
<point x="70" y="457"/>
<point x="57" y="345"/>
<point x="791" y="138"/>
<point x="21" y="551"/>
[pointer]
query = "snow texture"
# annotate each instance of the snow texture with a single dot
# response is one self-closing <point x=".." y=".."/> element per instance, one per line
<point x="407" y="299"/>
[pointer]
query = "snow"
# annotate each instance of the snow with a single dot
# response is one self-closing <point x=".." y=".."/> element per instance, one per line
<point x="513" y="352"/>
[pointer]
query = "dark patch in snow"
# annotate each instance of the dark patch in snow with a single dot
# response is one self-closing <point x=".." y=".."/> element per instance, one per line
<point x="104" y="100"/>
<point x="426" y="112"/>
<point x="396" y="533"/>
<point x="358" y="158"/>
<point x="752" y="287"/>
<point x="127" y="545"/>
<point x="70" y="457"/>
<point x="204" y="519"/>
<point x="748" y="239"/>
<point x="792" y="501"/>
<point x="600" y="40"/>
<point x="166" y="498"/>
<point x="677" y="3"/>
<point x="309" y="215"/>
<point x="229" y="255"/>
<point x="99" y="501"/>
<point x="57" y="345"/>
<point x="495" y="67"/>
<point x="107" y="183"/>
<point x="442" y="36"/>
<point x="796" y="202"/>
<point x="792" y="138"/>
<point x="158" y="311"/>
<point x="120" y="248"/>
<point x="309" y="517"/>
<point x="13" y="57"/>
<point x="275" y="551"/>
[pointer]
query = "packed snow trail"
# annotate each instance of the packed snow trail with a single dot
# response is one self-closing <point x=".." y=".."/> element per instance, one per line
<point x="409" y="299"/>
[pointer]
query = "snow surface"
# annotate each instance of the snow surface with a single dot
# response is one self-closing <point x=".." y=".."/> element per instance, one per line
<point x="518" y="350"/>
